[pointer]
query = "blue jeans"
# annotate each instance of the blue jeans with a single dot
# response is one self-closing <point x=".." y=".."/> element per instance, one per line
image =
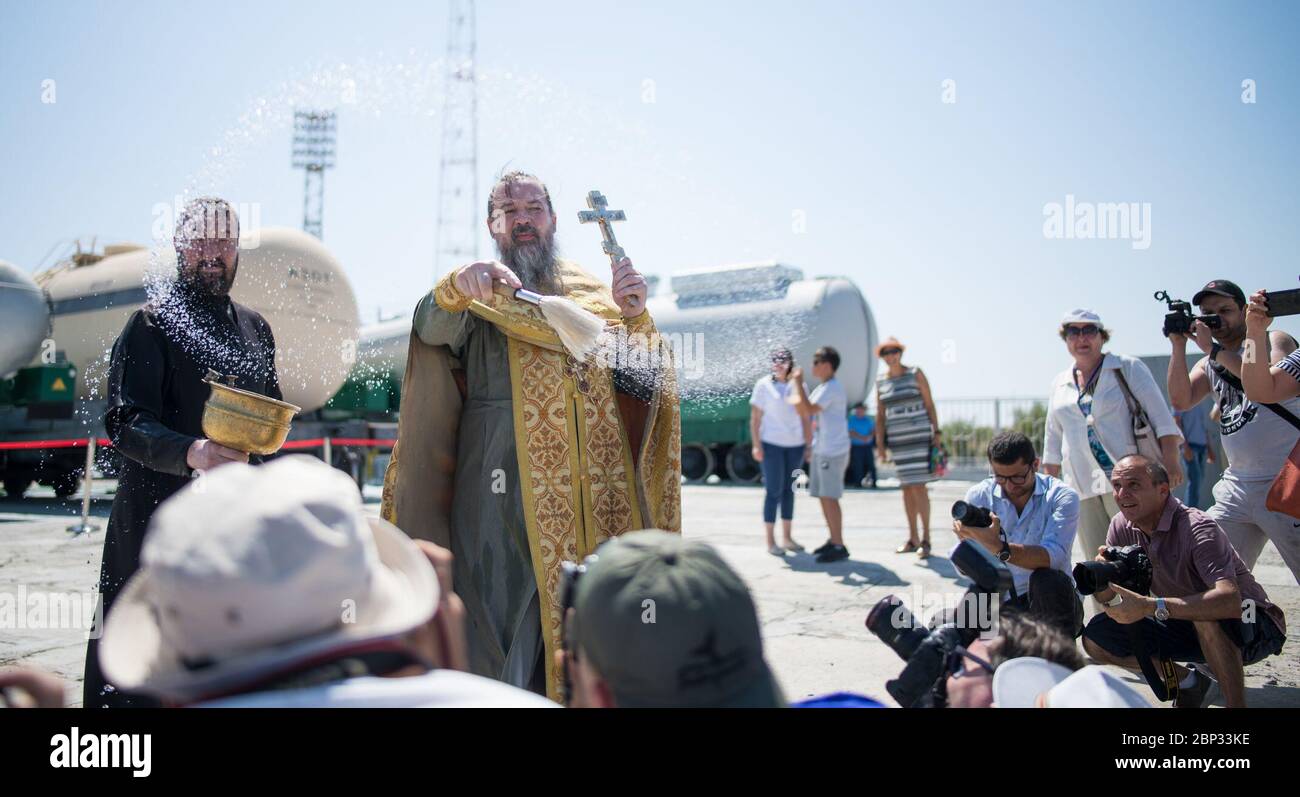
<point x="778" y="485"/>
<point x="1195" y="471"/>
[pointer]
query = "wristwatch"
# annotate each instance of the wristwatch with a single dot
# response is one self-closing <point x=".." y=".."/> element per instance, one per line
<point x="1005" y="553"/>
<point x="1115" y="601"/>
<point x="1162" y="610"/>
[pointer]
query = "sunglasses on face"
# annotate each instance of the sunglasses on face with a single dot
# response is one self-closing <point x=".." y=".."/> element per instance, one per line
<point x="957" y="664"/>
<point x="890" y="352"/>
<point x="1087" y="331"/>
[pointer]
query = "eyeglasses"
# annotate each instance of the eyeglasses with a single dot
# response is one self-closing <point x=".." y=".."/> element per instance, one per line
<point x="889" y="352"/>
<point x="1016" y="480"/>
<point x="957" y="664"/>
<point x="1087" y="331"/>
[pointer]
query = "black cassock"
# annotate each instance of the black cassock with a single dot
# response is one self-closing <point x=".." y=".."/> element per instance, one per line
<point x="155" y="411"/>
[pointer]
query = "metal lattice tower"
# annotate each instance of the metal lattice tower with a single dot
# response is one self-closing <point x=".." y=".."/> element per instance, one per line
<point x="313" y="152"/>
<point x="456" y="240"/>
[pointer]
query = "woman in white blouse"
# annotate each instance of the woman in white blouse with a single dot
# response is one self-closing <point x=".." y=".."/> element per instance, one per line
<point x="1090" y="427"/>
<point x="781" y="440"/>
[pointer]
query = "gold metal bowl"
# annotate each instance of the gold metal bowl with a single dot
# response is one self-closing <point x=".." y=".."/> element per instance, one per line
<point x="246" y="421"/>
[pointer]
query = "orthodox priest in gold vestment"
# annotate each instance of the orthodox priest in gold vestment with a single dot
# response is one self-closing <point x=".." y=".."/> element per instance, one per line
<point x="516" y="456"/>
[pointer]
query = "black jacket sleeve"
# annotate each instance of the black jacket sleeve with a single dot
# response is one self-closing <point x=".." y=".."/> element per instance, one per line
<point x="273" y="380"/>
<point x="137" y="375"/>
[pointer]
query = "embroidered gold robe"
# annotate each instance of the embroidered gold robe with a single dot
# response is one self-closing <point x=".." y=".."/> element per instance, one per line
<point x="517" y="459"/>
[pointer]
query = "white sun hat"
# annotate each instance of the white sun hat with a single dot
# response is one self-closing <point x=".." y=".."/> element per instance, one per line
<point x="1081" y="316"/>
<point x="1017" y="683"/>
<point x="251" y="570"/>
<point x="1094" y="687"/>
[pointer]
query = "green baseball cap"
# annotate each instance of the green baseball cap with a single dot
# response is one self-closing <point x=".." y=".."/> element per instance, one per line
<point x="668" y="624"/>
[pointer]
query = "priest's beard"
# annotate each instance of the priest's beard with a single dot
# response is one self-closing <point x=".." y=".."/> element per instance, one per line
<point x="201" y="282"/>
<point x="534" y="262"/>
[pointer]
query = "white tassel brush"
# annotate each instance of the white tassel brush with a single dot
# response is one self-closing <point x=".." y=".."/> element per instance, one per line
<point x="579" y="330"/>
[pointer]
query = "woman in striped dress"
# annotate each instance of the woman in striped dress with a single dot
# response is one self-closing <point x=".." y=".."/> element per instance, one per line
<point x="907" y="427"/>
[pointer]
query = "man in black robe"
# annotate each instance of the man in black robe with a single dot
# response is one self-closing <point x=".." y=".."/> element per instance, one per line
<point x="156" y="396"/>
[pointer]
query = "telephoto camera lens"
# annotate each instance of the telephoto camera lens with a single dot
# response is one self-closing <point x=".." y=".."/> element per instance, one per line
<point x="891" y="621"/>
<point x="971" y="515"/>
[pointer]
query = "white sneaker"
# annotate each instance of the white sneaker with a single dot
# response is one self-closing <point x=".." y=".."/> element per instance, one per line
<point x="777" y="550"/>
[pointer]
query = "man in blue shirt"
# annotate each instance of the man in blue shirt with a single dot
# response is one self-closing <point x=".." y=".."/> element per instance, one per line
<point x="862" y="456"/>
<point x="1034" y="523"/>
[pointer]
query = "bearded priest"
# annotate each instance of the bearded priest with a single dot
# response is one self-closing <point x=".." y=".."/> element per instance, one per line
<point x="515" y="455"/>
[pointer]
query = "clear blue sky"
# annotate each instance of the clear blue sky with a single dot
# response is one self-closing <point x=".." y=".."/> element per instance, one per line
<point x="761" y="109"/>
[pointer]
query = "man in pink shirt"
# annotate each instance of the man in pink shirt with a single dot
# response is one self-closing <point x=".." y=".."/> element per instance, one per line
<point x="1204" y="606"/>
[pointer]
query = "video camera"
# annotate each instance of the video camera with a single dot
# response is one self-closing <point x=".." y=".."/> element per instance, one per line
<point x="930" y="652"/>
<point x="1130" y="567"/>
<point x="1180" y="317"/>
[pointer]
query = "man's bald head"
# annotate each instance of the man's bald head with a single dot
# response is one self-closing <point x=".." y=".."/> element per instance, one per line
<point x="1154" y="470"/>
<point x="1141" y="487"/>
<point x="207" y="218"/>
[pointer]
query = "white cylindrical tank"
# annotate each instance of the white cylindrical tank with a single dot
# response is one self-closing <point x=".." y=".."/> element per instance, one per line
<point x="286" y="275"/>
<point x="724" y="324"/>
<point x="26" y="319"/>
<point x="729" y="320"/>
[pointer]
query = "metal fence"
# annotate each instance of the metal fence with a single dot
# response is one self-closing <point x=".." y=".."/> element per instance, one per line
<point x="969" y="424"/>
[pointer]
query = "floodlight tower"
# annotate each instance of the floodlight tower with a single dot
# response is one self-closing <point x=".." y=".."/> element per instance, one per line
<point x="456" y="237"/>
<point x="313" y="152"/>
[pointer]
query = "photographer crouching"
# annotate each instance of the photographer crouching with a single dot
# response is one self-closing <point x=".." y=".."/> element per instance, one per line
<point x="1205" y="605"/>
<point x="1028" y="521"/>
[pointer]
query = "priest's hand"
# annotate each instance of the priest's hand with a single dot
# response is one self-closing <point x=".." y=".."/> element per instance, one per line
<point x="205" y="455"/>
<point x="630" y="289"/>
<point x="477" y="280"/>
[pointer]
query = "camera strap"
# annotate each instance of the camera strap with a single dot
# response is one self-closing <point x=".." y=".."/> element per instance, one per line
<point x="1232" y="381"/>
<point x="1163" y="680"/>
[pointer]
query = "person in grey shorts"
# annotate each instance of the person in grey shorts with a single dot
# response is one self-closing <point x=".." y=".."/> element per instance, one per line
<point x="829" y="406"/>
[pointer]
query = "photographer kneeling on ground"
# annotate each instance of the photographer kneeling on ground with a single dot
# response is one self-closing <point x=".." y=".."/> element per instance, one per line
<point x="1034" y="519"/>
<point x="1205" y="604"/>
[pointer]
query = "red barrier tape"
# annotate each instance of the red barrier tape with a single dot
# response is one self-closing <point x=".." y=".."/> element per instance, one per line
<point x="292" y="445"/>
<point x="30" y="444"/>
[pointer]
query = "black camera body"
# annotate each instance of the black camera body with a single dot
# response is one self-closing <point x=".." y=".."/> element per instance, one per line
<point x="1180" y="317"/>
<point x="1129" y="567"/>
<point x="928" y="651"/>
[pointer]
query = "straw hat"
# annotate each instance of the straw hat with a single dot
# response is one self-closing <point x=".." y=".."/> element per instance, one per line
<point x="890" y="342"/>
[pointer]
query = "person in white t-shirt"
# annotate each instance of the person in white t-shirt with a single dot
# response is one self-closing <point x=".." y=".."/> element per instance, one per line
<point x="830" y="453"/>
<point x="782" y="441"/>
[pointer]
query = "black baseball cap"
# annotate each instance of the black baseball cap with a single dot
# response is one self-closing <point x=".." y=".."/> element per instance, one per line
<point x="1220" y="288"/>
<point x="668" y="624"/>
